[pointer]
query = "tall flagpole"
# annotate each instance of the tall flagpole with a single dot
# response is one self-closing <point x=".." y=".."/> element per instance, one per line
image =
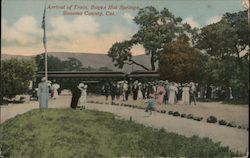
<point x="44" y="41"/>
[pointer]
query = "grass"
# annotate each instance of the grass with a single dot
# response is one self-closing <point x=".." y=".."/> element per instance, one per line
<point x="66" y="133"/>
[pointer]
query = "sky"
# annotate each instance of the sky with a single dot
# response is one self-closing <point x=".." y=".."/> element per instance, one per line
<point x="90" y="26"/>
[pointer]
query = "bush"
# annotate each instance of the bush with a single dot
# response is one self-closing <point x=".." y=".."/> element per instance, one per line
<point x="190" y="116"/>
<point x="183" y="115"/>
<point x="170" y="112"/>
<point x="223" y="122"/>
<point x="211" y="119"/>
<point x="17" y="75"/>
<point x="231" y="124"/>
<point x="176" y="113"/>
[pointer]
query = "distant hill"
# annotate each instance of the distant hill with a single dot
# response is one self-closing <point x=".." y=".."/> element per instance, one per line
<point x="93" y="60"/>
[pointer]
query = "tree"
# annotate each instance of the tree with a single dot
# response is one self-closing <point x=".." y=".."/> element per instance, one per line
<point x="17" y="75"/>
<point x="54" y="63"/>
<point x="72" y="64"/>
<point x="179" y="61"/>
<point x="225" y="43"/>
<point x="121" y="54"/>
<point x="155" y="30"/>
<point x="228" y="37"/>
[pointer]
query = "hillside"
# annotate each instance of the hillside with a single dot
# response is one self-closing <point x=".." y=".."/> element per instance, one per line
<point x="93" y="60"/>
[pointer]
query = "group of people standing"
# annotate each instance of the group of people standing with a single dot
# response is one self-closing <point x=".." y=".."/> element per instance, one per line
<point x="163" y="91"/>
<point x="79" y="96"/>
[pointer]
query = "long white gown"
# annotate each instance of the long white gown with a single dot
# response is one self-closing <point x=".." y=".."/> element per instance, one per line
<point x="139" y="94"/>
<point x="55" y="87"/>
<point x="83" y="97"/>
<point x="172" y="96"/>
<point x="185" y="95"/>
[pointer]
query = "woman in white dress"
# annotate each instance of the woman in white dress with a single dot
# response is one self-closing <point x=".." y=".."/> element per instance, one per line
<point x="83" y="97"/>
<point x="139" y="94"/>
<point x="172" y="93"/>
<point x="55" y="87"/>
<point x="185" y="94"/>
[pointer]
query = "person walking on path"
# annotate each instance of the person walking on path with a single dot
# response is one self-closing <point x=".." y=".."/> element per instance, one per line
<point x="43" y="93"/>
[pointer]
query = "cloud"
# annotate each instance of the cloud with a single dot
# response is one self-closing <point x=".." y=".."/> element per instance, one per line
<point x="24" y="31"/>
<point x="128" y="17"/>
<point x="213" y="19"/>
<point x="191" y="22"/>
<point x="81" y="34"/>
<point x="67" y="28"/>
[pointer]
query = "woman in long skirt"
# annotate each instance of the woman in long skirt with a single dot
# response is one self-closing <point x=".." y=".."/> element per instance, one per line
<point x="83" y="98"/>
<point x="160" y="94"/>
<point x="172" y="93"/>
<point x="185" y="94"/>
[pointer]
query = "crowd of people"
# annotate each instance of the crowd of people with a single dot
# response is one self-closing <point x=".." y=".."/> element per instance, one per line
<point x="160" y="92"/>
<point x="163" y="91"/>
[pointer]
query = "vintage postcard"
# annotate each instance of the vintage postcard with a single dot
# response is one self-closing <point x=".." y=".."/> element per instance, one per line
<point x="124" y="78"/>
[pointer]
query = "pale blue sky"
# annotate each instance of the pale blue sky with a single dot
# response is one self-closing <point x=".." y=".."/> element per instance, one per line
<point x="22" y="33"/>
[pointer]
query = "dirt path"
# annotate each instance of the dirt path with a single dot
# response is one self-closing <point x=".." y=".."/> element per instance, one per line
<point x="236" y="139"/>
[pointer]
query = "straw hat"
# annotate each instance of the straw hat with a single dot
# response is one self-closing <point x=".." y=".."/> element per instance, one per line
<point x="81" y="85"/>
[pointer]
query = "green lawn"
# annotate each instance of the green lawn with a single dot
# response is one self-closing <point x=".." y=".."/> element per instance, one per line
<point x="66" y="133"/>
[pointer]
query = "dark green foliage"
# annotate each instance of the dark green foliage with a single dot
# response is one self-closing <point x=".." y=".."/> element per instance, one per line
<point x="179" y="61"/>
<point x="70" y="64"/>
<point x="65" y="133"/>
<point x="16" y="76"/>
<point x="227" y="63"/>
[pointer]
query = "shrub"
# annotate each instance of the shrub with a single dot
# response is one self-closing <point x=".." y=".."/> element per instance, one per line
<point x="231" y="124"/>
<point x="170" y="112"/>
<point x="17" y="75"/>
<point x="190" y="116"/>
<point x="223" y="122"/>
<point x="211" y="119"/>
<point x="176" y="113"/>
<point x="183" y="115"/>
